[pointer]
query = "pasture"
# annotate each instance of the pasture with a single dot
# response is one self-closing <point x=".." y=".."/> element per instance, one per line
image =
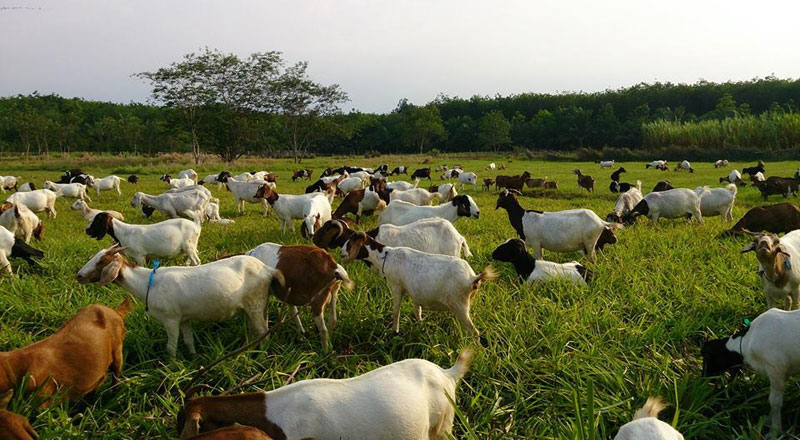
<point x="556" y="361"/>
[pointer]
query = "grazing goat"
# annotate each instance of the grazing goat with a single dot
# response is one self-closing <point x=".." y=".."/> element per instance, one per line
<point x="351" y="184"/>
<point x="684" y="166"/>
<point x="617" y="187"/>
<point x="434" y="281"/>
<point x="664" y="185"/>
<point x="180" y="183"/>
<point x="188" y="174"/>
<point x="769" y="346"/>
<point x="288" y="207"/>
<point x="673" y="203"/>
<point x="416" y="196"/>
<point x="190" y="203"/>
<point x="165" y="239"/>
<point x="407" y="400"/>
<point x="315" y="213"/>
<point x="312" y="278"/>
<point x="21" y="221"/>
<point x="778" y="186"/>
<point x="584" y="181"/>
<point x="11" y="247"/>
<point x="215" y="291"/>
<point x="14" y="426"/>
<point x="722" y="163"/>
<point x="625" y="204"/>
<point x="133" y="178"/>
<point x="37" y="201"/>
<point x="780" y="218"/>
<point x="251" y="192"/>
<point x="399" y="170"/>
<point x="9" y="183"/>
<point x="447" y="191"/>
<point x="491" y="166"/>
<point x="535" y="183"/>
<point x="759" y="168"/>
<point x="450" y="174"/>
<point x="431" y="235"/>
<point x="364" y="201"/>
<point x="106" y="184"/>
<point x="734" y="177"/>
<point x="421" y="173"/>
<point x="646" y="426"/>
<point x="560" y="231"/>
<point x="531" y="270"/>
<point x="717" y="201"/>
<point x="487" y="184"/>
<point x="401" y="213"/>
<point x="74" y="359"/>
<point x="657" y="164"/>
<point x="468" y="179"/>
<point x="73" y="176"/>
<point x="402" y="185"/>
<point x="301" y="174"/>
<point x="512" y="182"/>
<point x="779" y="267"/>
<point x="605" y="163"/>
<point x="26" y="187"/>
<point x="758" y="177"/>
<point x="71" y="190"/>
<point x="552" y="184"/>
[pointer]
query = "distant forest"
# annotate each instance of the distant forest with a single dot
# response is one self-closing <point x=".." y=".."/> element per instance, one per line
<point x="260" y="106"/>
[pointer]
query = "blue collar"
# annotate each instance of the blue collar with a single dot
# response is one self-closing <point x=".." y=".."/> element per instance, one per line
<point x="156" y="265"/>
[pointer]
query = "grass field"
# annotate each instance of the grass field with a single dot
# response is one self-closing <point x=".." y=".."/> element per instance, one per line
<point x="558" y="361"/>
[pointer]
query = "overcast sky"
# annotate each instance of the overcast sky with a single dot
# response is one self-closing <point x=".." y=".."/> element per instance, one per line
<point x="381" y="51"/>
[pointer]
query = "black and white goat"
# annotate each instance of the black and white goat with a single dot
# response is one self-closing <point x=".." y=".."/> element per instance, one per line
<point x="531" y="270"/>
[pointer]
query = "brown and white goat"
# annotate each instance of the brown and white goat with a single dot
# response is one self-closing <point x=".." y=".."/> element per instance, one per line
<point x="584" y="181"/>
<point x="235" y="432"/>
<point x="312" y="278"/>
<point x="780" y="218"/>
<point x="75" y="358"/>
<point x="14" y="426"/>
<point x="364" y="201"/>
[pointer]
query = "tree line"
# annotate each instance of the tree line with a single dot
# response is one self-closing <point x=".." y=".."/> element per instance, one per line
<point x="215" y="102"/>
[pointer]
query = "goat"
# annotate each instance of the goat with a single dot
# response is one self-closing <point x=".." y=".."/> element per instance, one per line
<point x="251" y="192"/>
<point x="212" y="215"/>
<point x="487" y="184"/>
<point x="431" y="235"/>
<point x="625" y="204"/>
<point x="450" y="174"/>
<point x="767" y="345"/>
<point x="402" y="185"/>
<point x="364" y="201"/>
<point x="188" y="174"/>
<point x="468" y="179"/>
<point x="758" y="177"/>
<point x="105" y="184"/>
<point x="657" y="164"/>
<point x="722" y="163"/>
<point x="401" y="213"/>
<point x="74" y="359"/>
<point x="438" y="282"/>
<point x="407" y="400"/>
<point x="673" y="203"/>
<point x="605" y="163"/>
<point x="780" y="218"/>
<point x="215" y="291"/>
<point x="26" y="187"/>
<point x="756" y="169"/>
<point x="11" y="247"/>
<point x="71" y="190"/>
<point x="512" y="182"/>
<point x="535" y="183"/>
<point x="778" y="186"/>
<point x="684" y="166"/>
<point x="491" y="166"/>
<point x="734" y="177"/>
<point x="624" y="187"/>
<point x="165" y="239"/>
<point x="9" y="183"/>
<point x="776" y="257"/>
<point x="531" y="270"/>
<point x="552" y="184"/>
<point x="190" y="203"/>
<point x="584" y="181"/>
<point x="416" y="196"/>
<point x="301" y="174"/>
<point x="14" y="426"/>
<point x="560" y="231"/>
<point x="21" y="221"/>
<point x="180" y="183"/>
<point x="447" y="191"/>
<point x="37" y="201"/>
<point x="316" y="212"/>
<point x="133" y="178"/>
<point x="646" y="426"/>
<point x="288" y="207"/>
<point x="399" y="170"/>
<point x="421" y="173"/>
<point x="312" y="278"/>
<point x="664" y="185"/>
<point x="717" y="201"/>
<point x="351" y="184"/>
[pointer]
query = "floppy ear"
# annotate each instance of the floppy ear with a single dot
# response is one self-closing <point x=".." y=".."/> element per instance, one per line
<point x="191" y="427"/>
<point x="5" y="399"/>
<point x="110" y="272"/>
<point x="750" y="247"/>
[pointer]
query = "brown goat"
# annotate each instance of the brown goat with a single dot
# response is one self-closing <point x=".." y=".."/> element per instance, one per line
<point x="780" y="218"/>
<point x="778" y="186"/>
<point x="512" y="182"/>
<point x="14" y="426"/>
<point x="535" y="183"/>
<point x="76" y="357"/>
<point x="584" y="181"/>
<point x="487" y="184"/>
<point x="302" y="174"/>
<point x="552" y="184"/>
<point x="352" y="201"/>
<point x="236" y="432"/>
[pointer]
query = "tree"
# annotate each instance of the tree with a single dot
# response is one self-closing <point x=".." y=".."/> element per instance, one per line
<point x="420" y="125"/>
<point x="494" y="130"/>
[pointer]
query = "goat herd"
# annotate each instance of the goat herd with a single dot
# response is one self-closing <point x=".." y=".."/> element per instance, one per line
<point x="415" y="248"/>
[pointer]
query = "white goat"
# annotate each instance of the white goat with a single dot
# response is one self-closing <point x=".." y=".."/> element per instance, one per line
<point x="468" y="179"/>
<point x="401" y="213"/>
<point x="71" y="190"/>
<point x="106" y="183"/>
<point x="646" y="426"/>
<point x="734" y="176"/>
<point x="684" y="166"/>
<point x="89" y="213"/>
<point x="407" y="400"/>
<point x="402" y="185"/>
<point x="21" y="221"/>
<point x="214" y="292"/>
<point x="531" y="270"/>
<point x="437" y="282"/>
<point x="447" y="191"/>
<point x="288" y="207"/>
<point x="625" y="204"/>
<point x="779" y="267"/>
<point x="315" y="213"/>
<point x="26" y="187"/>
<point x="717" y="201"/>
<point x="417" y="196"/>
<point x="37" y="201"/>
<point x="673" y="203"/>
<point x="212" y="215"/>
<point x="213" y="178"/>
<point x="769" y="346"/>
<point x="759" y="177"/>
<point x="721" y="163"/>
<point x="351" y="184"/>
<point x="181" y="183"/>
<point x="491" y="166"/>
<point x="251" y="192"/>
<point x="8" y="182"/>
<point x="188" y="174"/>
<point x="606" y="164"/>
<point x="165" y="239"/>
<point x="189" y="204"/>
<point x="329" y="179"/>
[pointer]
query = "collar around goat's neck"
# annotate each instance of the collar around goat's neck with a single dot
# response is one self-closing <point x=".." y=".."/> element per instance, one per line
<point x="775" y="273"/>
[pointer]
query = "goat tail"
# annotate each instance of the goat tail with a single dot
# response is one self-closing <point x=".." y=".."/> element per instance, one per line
<point x="124" y="308"/>
<point x="487" y="274"/>
<point x="460" y="368"/>
<point x="732" y="188"/>
<point x="639" y="185"/>
<point x="277" y="276"/>
<point x="651" y="408"/>
<point x="341" y="274"/>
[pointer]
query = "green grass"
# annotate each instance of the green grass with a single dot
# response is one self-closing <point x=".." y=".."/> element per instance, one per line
<point x="558" y="361"/>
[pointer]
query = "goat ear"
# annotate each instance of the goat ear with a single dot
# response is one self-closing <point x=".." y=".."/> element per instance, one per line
<point x="750" y="247"/>
<point x="191" y="427"/>
<point x="110" y="272"/>
<point x="5" y="399"/>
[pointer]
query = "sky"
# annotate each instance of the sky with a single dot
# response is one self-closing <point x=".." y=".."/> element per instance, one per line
<point x="382" y="51"/>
